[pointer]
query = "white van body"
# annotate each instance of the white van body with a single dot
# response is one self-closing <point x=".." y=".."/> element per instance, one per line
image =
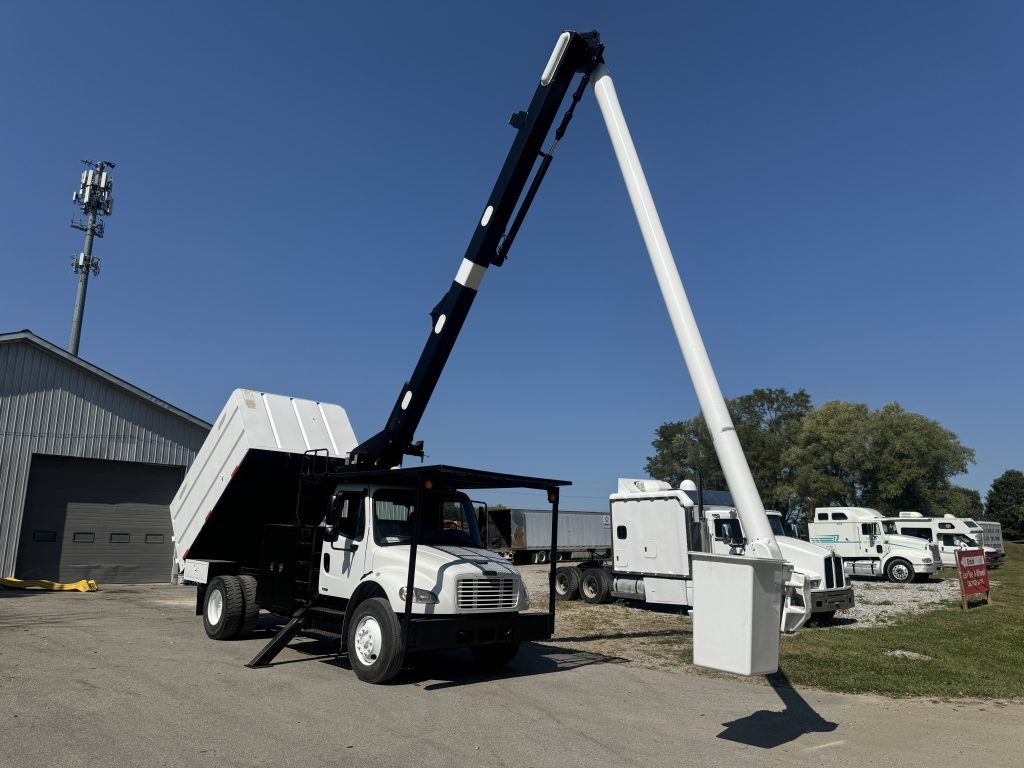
<point x="949" y="533"/>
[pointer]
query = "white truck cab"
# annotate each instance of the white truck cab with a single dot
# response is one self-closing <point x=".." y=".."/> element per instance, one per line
<point x="829" y="590"/>
<point x="870" y="545"/>
<point x="949" y="533"/>
<point x="367" y="537"/>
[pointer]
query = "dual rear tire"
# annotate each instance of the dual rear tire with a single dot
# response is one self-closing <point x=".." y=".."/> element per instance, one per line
<point x="230" y="608"/>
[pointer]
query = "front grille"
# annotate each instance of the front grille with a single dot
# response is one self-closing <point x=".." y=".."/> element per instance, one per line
<point x="833" y="572"/>
<point x="837" y="565"/>
<point x="936" y="555"/>
<point x="499" y="594"/>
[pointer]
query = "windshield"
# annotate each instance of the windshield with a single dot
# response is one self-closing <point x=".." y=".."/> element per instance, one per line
<point x="964" y="541"/>
<point x="449" y="519"/>
<point x="776" y="523"/>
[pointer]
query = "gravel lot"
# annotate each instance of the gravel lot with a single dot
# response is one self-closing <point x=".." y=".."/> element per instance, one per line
<point x="877" y="601"/>
<point x="660" y="637"/>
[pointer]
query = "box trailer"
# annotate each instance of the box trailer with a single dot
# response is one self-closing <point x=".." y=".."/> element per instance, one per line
<point x="524" y="535"/>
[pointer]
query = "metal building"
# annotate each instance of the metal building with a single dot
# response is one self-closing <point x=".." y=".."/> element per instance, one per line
<point x="88" y="466"/>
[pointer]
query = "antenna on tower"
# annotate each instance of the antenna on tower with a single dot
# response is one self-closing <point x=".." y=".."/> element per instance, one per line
<point x="95" y="198"/>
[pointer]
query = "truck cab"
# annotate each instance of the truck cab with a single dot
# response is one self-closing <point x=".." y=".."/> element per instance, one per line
<point x="367" y="536"/>
<point x="830" y="592"/>
<point x="870" y="545"/>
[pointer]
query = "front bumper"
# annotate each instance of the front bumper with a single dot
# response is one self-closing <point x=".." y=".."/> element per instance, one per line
<point x="431" y="633"/>
<point x="828" y="600"/>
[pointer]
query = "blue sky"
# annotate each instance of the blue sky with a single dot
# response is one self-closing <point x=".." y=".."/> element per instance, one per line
<point x="297" y="183"/>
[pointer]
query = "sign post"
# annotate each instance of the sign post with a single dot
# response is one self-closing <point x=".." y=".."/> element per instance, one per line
<point x="970" y="565"/>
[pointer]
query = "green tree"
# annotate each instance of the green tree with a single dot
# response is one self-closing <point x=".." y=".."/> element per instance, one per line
<point x="829" y="453"/>
<point x="1005" y="503"/>
<point x="961" y="502"/>
<point x="766" y="420"/>
<point x="889" y="459"/>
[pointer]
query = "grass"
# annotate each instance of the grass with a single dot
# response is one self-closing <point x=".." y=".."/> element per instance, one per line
<point x="973" y="653"/>
<point x="945" y="653"/>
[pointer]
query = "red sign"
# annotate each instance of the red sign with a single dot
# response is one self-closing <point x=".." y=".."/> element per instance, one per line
<point x="970" y="564"/>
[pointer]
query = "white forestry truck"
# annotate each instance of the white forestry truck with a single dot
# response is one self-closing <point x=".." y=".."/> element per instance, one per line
<point x="284" y="511"/>
<point x="656" y="528"/>
<point x="871" y="546"/>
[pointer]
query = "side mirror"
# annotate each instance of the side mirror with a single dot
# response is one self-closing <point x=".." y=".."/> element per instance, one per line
<point x="333" y="515"/>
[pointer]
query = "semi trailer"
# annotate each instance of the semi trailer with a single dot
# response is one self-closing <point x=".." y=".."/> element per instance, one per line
<point x="284" y="510"/>
<point x="524" y="535"/>
<point x="657" y="528"/>
<point x="992" y="536"/>
<point x="870" y="545"/>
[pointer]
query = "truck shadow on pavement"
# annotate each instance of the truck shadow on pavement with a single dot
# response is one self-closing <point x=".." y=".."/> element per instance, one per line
<point x="768" y="729"/>
<point x="438" y="670"/>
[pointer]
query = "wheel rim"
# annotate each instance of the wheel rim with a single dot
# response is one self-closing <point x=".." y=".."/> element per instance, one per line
<point x="368" y="641"/>
<point x="215" y="607"/>
<point x="561" y="583"/>
<point x="589" y="587"/>
<point x="900" y="572"/>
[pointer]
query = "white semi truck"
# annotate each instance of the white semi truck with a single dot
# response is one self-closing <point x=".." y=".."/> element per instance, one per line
<point x="282" y="510"/>
<point x="655" y="530"/>
<point x="871" y="546"/>
<point x="949" y="533"/>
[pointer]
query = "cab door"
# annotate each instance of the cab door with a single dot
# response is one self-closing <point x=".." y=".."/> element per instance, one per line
<point x="345" y="543"/>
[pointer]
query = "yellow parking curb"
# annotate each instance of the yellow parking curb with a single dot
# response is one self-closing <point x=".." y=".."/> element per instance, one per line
<point x="85" y="585"/>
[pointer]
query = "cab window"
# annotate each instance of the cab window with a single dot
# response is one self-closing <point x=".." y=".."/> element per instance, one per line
<point x="348" y="515"/>
<point x="728" y="528"/>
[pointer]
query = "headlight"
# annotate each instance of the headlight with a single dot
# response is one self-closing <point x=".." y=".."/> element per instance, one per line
<point x="926" y="560"/>
<point x="815" y="583"/>
<point x="418" y="595"/>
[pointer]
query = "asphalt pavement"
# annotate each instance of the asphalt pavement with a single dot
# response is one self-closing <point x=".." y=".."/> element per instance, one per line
<point x="126" y="677"/>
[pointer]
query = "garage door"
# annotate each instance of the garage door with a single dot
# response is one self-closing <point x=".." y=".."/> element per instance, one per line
<point x="102" y="520"/>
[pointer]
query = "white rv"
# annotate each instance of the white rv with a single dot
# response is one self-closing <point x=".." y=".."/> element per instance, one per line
<point x="870" y="545"/>
<point x="948" y="533"/>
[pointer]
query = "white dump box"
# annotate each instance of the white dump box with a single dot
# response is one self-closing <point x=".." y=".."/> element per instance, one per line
<point x="247" y="473"/>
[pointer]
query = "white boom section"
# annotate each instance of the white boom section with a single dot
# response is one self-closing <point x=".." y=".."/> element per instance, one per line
<point x="252" y="421"/>
<point x="709" y="395"/>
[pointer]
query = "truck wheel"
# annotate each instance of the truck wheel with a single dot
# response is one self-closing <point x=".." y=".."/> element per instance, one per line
<point x="567" y="583"/>
<point x="223" y="608"/>
<point x="374" y="641"/>
<point x="595" y="586"/>
<point x="250" y="611"/>
<point x="496" y="655"/>
<point x="824" y="618"/>
<point x="899" y="571"/>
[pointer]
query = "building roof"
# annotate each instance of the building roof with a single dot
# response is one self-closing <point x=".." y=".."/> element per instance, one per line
<point x="28" y="337"/>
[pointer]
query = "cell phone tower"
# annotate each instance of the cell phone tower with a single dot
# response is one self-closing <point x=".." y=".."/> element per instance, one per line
<point x="95" y="198"/>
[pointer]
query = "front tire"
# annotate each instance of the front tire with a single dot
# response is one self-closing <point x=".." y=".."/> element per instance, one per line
<point x="496" y="655"/>
<point x="374" y="640"/>
<point x="222" y="610"/>
<point x="825" y="618"/>
<point x="899" y="571"/>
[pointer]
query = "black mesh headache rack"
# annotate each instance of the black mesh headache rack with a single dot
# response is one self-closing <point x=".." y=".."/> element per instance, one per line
<point x="425" y="632"/>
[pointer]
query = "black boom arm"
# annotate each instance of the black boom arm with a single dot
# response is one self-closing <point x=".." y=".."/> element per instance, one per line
<point x="496" y="229"/>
